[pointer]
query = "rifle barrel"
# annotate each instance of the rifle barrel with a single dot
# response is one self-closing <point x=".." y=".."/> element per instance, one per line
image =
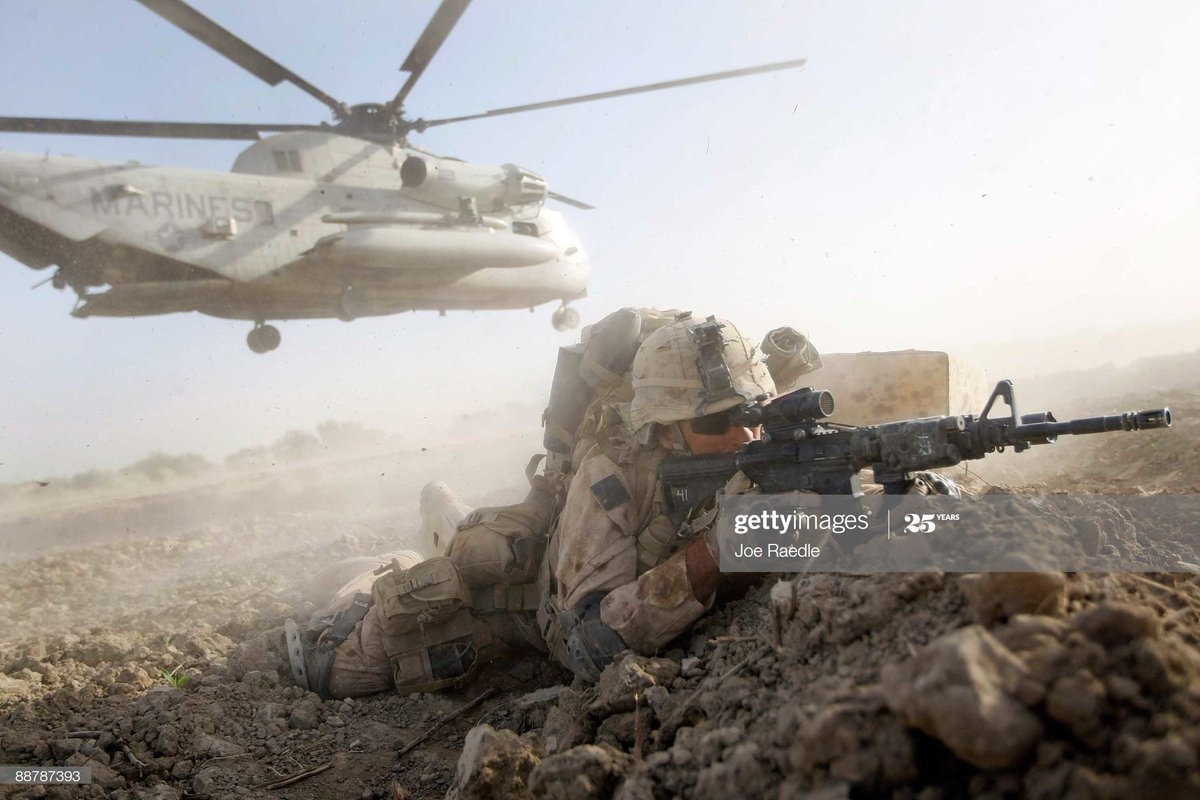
<point x="1129" y="421"/>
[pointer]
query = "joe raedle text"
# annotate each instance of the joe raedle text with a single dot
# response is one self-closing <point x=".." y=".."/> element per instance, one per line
<point x="761" y="535"/>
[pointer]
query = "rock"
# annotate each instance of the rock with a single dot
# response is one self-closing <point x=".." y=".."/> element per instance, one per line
<point x="28" y="675"/>
<point x="1125" y="690"/>
<point x="101" y="648"/>
<point x="261" y="680"/>
<point x="1159" y="667"/>
<point x="713" y="744"/>
<point x="160" y="791"/>
<point x="854" y="742"/>
<point x="620" y="730"/>
<point x="1075" y="700"/>
<point x="742" y="773"/>
<point x="168" y="740"/>
<point x="684" y="749"/>
<point x="135" y="676"/>
<point x="970" y="692"/>
<point x="493" y="764"/>
<point x="1038" y="642"/>
<point x="656" y="761"/>
<point x="538" y="699"/>
<point x="64" y="748"/>
<point x="994" y="596"/>
<point x="1166" y="768"/>
<point x="690" y="666"/>
<point x="158" y="700"/>
<point x="13" y="687"/>
<point x="567" y="724"/>
<point x="263" y="653"/>
<point x="205" y="643"/>
<point x="105" y="776"/>
<point x="1027" y="632"/>
<point x="306" y="715"/>
<point x="587" y="772"/>
<point x="268" y="712"/>
<point x="622" y="680"/>
<point x="659" y="699"/>
<point x="208" y="746"/>
<point x="637" y="786"/>
<point x="205" y="781"/>
<point x="1114" y="623"/>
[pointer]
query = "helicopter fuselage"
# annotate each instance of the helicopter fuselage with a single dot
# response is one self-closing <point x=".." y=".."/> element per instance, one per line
<point x="307" y="225"/>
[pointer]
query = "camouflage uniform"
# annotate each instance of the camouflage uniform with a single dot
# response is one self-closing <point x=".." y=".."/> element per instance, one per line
<point x="616" y="573"/>
<point x="421" y="624"/>
<point x="360" y="665"/>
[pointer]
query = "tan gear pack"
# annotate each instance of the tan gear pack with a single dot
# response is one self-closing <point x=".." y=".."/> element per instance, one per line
<point x="602" y="385"/>
<point x="428" y="631"/>
<point x="789" y="355"/>
<point x="497" y="550"/>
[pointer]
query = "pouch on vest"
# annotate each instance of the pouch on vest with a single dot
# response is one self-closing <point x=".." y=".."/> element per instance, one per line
<point x="428" y="631"/>
<point x="503" y="546"/>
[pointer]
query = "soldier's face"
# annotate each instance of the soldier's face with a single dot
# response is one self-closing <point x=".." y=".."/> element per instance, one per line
<point x="704" y="444"/>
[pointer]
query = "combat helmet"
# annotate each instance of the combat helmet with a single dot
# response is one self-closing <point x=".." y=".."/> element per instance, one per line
<point x="690" y="369"/>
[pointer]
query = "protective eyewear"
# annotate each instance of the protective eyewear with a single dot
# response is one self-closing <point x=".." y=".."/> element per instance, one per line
<point x="712" y="424"/>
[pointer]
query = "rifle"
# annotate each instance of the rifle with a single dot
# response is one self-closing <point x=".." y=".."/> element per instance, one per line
<point x="799" y="451"/>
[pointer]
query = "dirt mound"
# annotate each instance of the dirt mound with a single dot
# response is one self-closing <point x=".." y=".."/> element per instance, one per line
<point x="158" y="663"/>
<point x="878" y="686"/>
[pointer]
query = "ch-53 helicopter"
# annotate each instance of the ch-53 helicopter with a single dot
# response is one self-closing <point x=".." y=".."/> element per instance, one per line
<point x="338" y="220"/>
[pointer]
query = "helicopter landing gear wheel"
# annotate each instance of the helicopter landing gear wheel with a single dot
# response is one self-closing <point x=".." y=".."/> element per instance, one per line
<point x="565" y="319"/>
<point x="263" y="338"/>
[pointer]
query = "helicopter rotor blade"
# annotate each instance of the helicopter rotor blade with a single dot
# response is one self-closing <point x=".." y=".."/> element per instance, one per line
<point x="587" y="98"/>
<point x="240" y="52"/>
<point x="435" y="33"/>
<point x="149" y="129"/>
<point x="562" y="198"/>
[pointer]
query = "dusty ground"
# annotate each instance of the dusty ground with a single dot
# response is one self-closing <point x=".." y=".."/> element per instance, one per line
<point x="823" y="686"/>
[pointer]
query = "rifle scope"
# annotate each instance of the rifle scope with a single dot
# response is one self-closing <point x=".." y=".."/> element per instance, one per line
<point x="793" y="408"/>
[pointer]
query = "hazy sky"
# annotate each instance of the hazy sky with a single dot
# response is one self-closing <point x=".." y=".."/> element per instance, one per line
<point x="940" y="174"/>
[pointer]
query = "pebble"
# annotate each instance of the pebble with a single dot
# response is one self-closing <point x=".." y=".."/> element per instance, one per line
<point x="1114" y="623"/>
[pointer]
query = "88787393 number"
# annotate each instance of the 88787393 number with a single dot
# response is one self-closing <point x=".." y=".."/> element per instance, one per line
<point x="17" y="775"/>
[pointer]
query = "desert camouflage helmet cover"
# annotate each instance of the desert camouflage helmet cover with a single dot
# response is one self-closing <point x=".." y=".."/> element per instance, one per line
<point x="667" y="385"/>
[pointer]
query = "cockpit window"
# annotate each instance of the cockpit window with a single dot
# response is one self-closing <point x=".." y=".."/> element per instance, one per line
<point x="287" y="161"/>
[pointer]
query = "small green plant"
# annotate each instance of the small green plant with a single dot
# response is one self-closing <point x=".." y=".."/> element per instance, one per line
<point x="174" y="677"/>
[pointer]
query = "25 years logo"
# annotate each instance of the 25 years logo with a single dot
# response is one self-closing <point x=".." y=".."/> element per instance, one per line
<point x="926" y="523"/>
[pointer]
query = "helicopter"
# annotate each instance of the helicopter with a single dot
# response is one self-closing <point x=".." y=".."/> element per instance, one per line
<point x="341" y="219"/>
